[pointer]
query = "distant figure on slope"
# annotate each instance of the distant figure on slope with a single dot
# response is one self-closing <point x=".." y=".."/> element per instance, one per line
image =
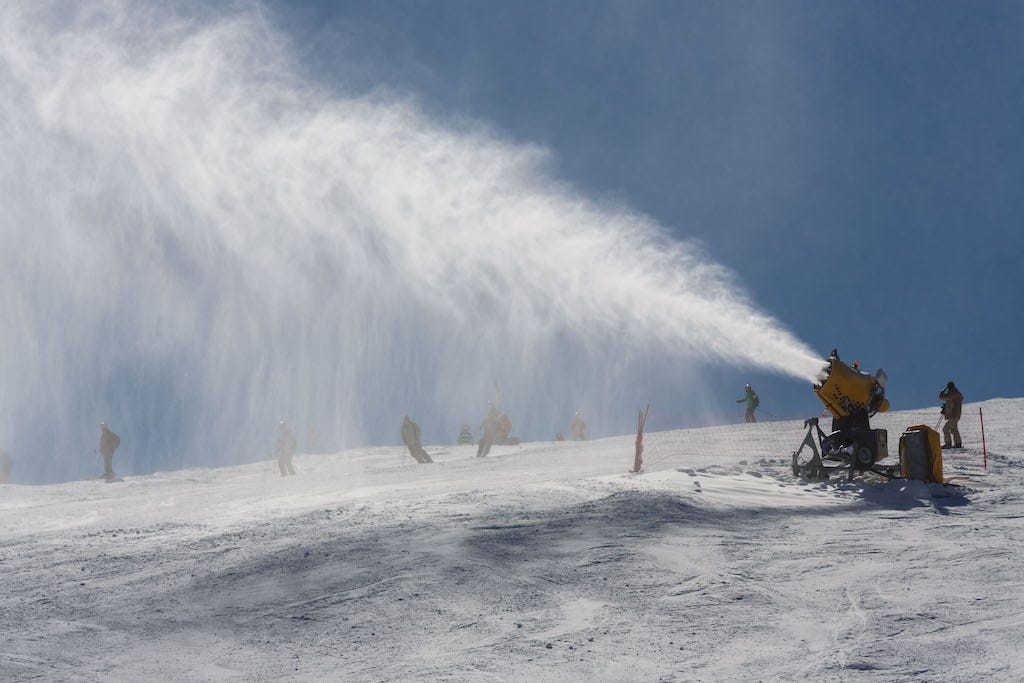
<point x="752" y="402"/>
<point x="314" y="439"/>
<point x="952" y="404"/>
<point x="504" y="436"/>
<point x="286" y="445"/>
<point x="465" y="436"/>
<point x="578" y="427"/>
<point x="6" y="465"/>
<point x="411" y="437"/>
<point x="559" y="436"/>
<point x="109" y="441"/>
<point x="504" y="428"/>
<point x="490" y="424"/>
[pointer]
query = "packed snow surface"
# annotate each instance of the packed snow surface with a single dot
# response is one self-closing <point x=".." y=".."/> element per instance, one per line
<point x="542" y="562"/>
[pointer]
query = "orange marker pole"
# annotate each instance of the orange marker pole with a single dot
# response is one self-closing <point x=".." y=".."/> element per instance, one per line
<point x="641" y="421"/>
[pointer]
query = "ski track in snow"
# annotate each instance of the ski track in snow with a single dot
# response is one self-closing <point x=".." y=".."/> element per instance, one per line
<point x="543" y="562"/>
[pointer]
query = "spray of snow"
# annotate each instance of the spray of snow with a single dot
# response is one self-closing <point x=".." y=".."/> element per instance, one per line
<point x="196" y="240"/>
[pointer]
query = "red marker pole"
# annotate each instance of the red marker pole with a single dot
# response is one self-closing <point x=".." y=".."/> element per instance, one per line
<point x="984" y="450"/>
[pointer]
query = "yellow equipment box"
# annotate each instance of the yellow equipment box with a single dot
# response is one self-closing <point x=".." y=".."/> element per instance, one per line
<point x="921" y="454"/>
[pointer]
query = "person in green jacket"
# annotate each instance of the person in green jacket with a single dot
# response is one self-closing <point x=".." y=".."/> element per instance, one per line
<point x="752" y="403"/>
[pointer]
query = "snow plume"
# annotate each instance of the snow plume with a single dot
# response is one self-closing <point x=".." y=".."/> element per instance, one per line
<point x="196" y="242"/>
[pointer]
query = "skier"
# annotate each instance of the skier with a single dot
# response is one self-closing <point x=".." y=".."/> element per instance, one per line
<point x="490" y="424"/>
<point x="286" y="445"/>
<point x="465" y="436"/>
<point x="952" y="403"/>
<point x="6" y="465"/>
<point x="578" y="427"/>
<point x="109" y="441"/>
<point x="411" y="435"/>
<point x="752" y="402"/>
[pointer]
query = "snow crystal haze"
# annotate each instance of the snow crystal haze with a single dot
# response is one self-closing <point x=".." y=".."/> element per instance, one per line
<point x="196" y="242"/>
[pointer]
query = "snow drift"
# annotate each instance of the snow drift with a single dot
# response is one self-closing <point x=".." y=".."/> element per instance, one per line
<point x="545" y="562"/>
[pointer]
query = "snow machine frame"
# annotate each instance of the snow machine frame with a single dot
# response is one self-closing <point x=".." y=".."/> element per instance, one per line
<point x="850" y="451"/>
<point x="852" y="397"/>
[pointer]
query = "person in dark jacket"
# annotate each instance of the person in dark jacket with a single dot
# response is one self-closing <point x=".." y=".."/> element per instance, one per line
<point x="752" y="401"/>
<point x="286" y="445"/>
<point x="491" y="425"/>
<point x="465" y="436"/>
<point x="109" y="441"/>
<point x="952" y="404"/>
<point x="412" y="437"/>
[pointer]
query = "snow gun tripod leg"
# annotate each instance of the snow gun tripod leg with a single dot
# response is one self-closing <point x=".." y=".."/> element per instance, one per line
<point x="813" y="468"/>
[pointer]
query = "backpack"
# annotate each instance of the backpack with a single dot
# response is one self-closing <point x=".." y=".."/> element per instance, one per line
<point x="757" y="401"/>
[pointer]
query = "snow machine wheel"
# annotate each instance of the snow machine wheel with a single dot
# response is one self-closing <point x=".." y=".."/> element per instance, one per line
<point x="864" y="458"/>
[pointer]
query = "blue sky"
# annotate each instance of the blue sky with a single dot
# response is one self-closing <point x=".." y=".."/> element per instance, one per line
<point x="859" y="165"/>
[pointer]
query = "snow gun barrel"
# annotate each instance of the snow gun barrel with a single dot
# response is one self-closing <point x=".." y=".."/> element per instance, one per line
<point x="846" y="391"/>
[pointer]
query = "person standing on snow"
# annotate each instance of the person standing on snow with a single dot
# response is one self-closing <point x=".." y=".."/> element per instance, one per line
<point x="286" y="445"/>
<point x="953" y="402"/>
<point x="505" y="430"/>
<point x="465" y="436"/>
<point x="109" y="441"/>
<point x="752" y="402"/>
<point x="6" y="465"/>
<point x="578" y="427"/>
<point x="491" y="424"/>
<point x="411" y="437"/>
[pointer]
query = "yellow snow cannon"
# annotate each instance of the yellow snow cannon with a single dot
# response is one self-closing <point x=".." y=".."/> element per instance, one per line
<point x="853" y="397"/>
<point x="848" y="392"/>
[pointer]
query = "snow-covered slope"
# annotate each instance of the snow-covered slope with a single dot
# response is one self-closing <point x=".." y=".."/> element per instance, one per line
<point x="542" y="562"/>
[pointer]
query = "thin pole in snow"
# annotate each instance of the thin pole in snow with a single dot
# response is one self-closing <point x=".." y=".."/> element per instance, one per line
<point x="984" y="450"/>
<point x="641" y="421"/>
